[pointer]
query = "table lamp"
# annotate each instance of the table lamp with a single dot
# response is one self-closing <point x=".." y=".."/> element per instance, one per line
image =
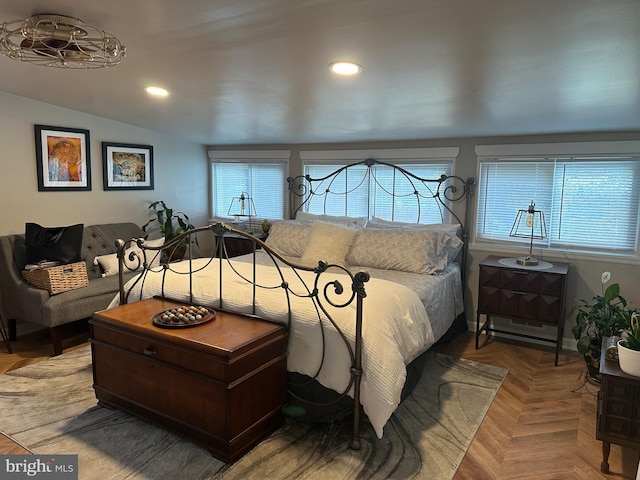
<point x="530" y="224"/>
<point x="241" y="207"/>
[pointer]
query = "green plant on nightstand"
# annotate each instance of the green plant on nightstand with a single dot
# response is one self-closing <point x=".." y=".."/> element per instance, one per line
<point x="631" y="335"/>
<point x="603" y="316"/>
<point x="629" y="347"/>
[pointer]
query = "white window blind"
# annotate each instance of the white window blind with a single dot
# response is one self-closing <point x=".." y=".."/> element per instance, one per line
<point x="590" y="203"/>
<point x="260" y="175"/>
<point x="598" y="206"/>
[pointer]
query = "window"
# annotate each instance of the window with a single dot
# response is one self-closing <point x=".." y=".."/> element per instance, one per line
<point x="590" y="202"/>
<point x="260" y="175"/>
<point x="386" y="193"/>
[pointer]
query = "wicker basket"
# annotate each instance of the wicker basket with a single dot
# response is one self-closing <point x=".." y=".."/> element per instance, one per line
<point x="58" y="279"/>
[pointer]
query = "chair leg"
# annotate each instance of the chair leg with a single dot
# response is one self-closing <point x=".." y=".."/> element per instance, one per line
<point x="5" y="334"/>
<point x="56" y="339"/>
<point x="13" y="329"/>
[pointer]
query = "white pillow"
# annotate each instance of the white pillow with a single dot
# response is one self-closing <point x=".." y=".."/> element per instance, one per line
<point x="328" y="242"/>
<point x="414" y="251"/>
<point x="109" y="263"/>
<point x="312" y="217"/>
<point x="289" y="237"/>
<point x="448" y="228"/>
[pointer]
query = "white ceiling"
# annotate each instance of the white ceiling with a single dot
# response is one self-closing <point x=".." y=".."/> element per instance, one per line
<point x="255" y="71"/>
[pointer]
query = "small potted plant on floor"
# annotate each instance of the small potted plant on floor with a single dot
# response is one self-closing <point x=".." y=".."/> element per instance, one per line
<point x="629" y="347"/>
<point x="603" y="316"/>
<point x="171" y="224"/>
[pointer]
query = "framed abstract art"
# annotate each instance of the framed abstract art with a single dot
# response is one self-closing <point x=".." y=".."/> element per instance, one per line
<point x="127" y="166"/>
<point x="63" y="158"/>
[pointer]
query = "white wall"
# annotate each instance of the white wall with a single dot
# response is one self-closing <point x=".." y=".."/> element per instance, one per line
<point x="180" y="171"/>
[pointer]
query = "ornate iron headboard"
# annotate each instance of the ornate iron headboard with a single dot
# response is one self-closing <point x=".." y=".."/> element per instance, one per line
<point x="443" y="191"/>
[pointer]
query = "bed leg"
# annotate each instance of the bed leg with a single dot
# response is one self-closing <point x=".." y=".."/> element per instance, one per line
<point x="356" y="370"/>
<point x="355" y="434"/>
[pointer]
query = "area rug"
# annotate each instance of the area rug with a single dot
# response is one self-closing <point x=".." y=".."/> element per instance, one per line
<point x="50" y="407"/>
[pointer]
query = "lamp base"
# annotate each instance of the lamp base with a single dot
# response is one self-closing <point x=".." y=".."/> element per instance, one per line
<point x="527" y="261"/>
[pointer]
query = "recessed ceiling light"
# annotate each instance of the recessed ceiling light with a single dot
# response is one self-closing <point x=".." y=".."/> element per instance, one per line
<point x="345" y="68"/>
<point x="157" y="91"/>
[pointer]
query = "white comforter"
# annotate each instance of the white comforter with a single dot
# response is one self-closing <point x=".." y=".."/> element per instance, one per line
<point x="395" y="325"/>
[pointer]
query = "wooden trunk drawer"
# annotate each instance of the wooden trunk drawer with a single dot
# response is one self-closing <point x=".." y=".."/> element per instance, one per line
<point x="214" y="407"/>
<point x="216" y="365"/>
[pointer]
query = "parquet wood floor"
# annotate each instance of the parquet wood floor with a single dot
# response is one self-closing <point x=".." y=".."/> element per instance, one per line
<point x="540" y="426"/>
<point x="542" y="423"/>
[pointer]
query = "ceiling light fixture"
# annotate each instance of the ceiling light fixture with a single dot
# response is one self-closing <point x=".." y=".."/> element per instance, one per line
<point x="59" y="41"/>
<point x="345" y="68"/>
<point x="157" y="91"/>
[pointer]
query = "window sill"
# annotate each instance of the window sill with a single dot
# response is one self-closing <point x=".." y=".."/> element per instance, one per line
<point x="553" y="254"/>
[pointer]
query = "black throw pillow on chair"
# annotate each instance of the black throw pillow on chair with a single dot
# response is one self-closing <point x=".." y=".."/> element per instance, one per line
<point x="56" y="244"/>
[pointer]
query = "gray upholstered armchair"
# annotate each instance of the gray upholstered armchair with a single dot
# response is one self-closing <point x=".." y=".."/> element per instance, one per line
<point x="20" y="301"/>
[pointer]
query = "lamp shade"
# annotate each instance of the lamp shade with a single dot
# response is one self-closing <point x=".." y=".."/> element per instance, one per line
<point x="242" y="206"/>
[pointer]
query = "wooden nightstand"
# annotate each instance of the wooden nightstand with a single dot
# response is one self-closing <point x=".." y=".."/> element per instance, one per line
<point x="237" y="245"/>
<point x="525" y="294"/>
<point x="618" y="409"/>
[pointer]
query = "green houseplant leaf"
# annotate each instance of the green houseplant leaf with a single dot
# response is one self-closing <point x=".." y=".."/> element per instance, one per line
<point x="632" y="333"/>
<point x="170" y="223"/>
<point x="603" y="316"/>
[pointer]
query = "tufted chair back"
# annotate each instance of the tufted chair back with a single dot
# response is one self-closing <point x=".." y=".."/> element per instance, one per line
<point x="100" y="240"/>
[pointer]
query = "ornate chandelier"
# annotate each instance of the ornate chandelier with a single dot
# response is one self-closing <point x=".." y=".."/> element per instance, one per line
<point x="59" y="41"/>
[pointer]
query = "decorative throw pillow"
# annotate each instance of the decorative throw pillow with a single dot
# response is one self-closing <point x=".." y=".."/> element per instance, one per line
<point x="109" y="263"/>
<point x="289" y="237"/>
<point x="328" y="242"/>
<point x="312" y="217"/>
<point x="448" y="228"/>
<point x="413" y="251"/>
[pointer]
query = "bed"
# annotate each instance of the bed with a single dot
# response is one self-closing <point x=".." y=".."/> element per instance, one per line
<point x="362" y="299"/>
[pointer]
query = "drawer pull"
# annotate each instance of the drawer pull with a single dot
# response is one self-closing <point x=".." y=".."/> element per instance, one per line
<point x="516" y="292"/>
<point x="150" y="351"/>
<point x="520" y="272"/>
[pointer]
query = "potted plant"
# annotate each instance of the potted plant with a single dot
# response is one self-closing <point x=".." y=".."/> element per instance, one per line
<point x="629" y="347"/>
<point x="171" y="224"/>
<point x="603" y="316"/>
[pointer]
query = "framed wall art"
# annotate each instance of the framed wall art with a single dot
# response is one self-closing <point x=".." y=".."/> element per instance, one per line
<point x="63" y="158"/>
<point x="127" y="166"/>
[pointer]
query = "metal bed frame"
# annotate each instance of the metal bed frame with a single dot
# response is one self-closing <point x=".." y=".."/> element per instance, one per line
<point x="326" y="288"/>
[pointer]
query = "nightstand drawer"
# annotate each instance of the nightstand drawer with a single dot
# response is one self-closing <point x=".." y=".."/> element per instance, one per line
<point x="517" y="304"/>
<point x="522" y="281"/>
<point x="621" y="389"/>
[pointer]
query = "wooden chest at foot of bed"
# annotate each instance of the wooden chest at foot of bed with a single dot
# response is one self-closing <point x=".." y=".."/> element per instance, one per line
<point x="221" y="384"/>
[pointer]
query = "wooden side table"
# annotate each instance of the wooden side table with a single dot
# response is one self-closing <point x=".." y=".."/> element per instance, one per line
<point x="618" y="418"/>
<point x="521" y="293"/>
